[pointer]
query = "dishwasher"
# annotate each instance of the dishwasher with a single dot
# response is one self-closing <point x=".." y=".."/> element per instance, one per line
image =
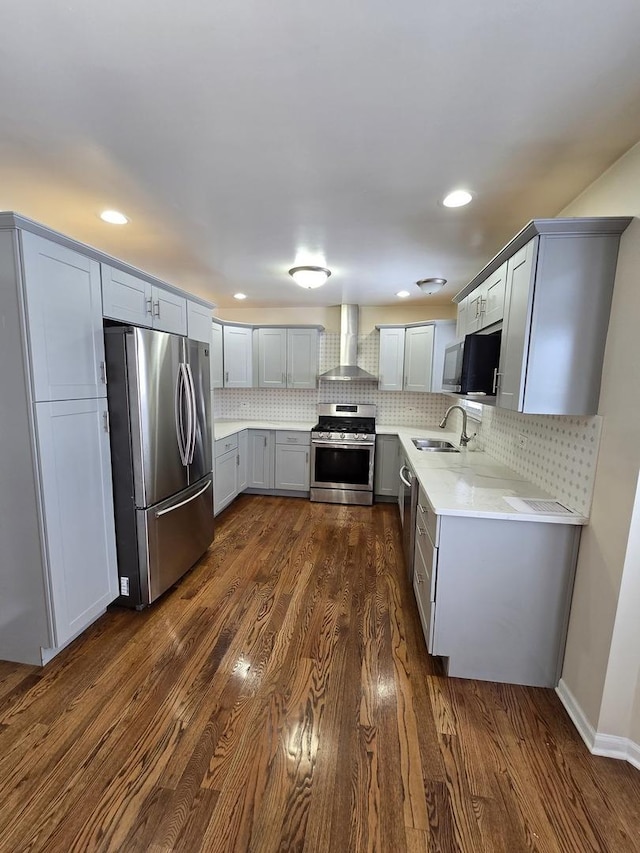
<point x="408" y="506"/>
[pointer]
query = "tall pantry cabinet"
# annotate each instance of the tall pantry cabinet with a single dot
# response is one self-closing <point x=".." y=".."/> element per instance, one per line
<point x="57" y="543"/>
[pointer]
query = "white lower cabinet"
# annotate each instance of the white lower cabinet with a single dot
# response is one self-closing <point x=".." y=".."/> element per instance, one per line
<point x="292" y="461"/>
<point x="494" y="594"/>
<point x="226" y="465"/>
<point x="75" y="474"/>
<point x="387" y="465"/>
<point x="260" y="459"/>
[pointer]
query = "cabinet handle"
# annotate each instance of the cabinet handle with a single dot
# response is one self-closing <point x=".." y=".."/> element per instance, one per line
<point x="149" y="306"/>
<point x="496" y="381"/>
<point x="103" y="372"/>
<point x="105" y="418"/>
<point x="157" y="308"/>
<point x="226" y="376"/>
<point x="419" y="578"/>
<point x="423" y="509"/>
<point x="238" y="460"/>
<point x="306" y="457"/>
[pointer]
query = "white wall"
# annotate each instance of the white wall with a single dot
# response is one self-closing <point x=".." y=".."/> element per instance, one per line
<point x="601" y="667"/>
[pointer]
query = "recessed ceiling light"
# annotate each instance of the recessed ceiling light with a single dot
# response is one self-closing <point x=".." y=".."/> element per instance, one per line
<point x="403" y="294"/>
<point x="114" y="217"/>
<point x="239" y="295"/>
<point x="309" y="277"/>
<point x="457" y="198"/>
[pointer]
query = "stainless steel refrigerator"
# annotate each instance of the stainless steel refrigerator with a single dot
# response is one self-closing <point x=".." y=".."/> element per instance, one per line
<point x="160" y="424"/>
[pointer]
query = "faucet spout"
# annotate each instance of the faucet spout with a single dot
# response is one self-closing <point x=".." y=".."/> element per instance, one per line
<point x="464" y="438"/>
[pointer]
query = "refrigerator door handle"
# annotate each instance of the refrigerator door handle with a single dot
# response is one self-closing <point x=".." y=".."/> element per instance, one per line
<point x="193" y="434"/>
<point x="179" y="415"/>
<point x="162" y="512"/>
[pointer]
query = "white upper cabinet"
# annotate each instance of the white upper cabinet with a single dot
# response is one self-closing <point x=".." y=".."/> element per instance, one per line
<point x="131" y="299"/>
<point x="64" y="308"/>
<point x="418" y="357"/>
<point x="412" y="357"/>
<point x="217" y="358"/>
<point x="557" y="276"/>
<point x="237" y="346"/>
<point x="484" y="306"/>
<point x="169" y="311"/>
<point x="272" y="358"/>
<point x="391" y="363"/>
<point x="125" y="297"/>
<point x="287" y="357"/>
<point x="198" y="322"/>
<point x="302" y="358"/>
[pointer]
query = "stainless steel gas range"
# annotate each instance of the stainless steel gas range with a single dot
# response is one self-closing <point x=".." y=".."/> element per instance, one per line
<point x="343" y="445"/>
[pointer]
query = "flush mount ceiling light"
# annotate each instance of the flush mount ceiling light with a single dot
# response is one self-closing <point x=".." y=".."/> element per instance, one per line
<point x="457" y="198"/>
<point x="431" y="285"/>
<point x="403" y="294"/>
<point x="239" y="295"/>
<point x="309" y="277"/>
<point x="114" y="217"/>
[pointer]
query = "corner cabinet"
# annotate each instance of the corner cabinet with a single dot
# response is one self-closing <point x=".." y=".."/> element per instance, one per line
<point x="412" y="357"/>
<point x="558" y="278"/>
<point x="237" y="356"/>
<point x="59" y="568"/>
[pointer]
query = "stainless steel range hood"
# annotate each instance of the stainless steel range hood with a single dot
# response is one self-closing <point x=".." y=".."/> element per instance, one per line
<point x="348" y="370"/>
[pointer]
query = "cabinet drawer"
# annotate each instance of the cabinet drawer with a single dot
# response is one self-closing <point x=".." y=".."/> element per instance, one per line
<point x="423" y="576"/>
<point x="224" y="445"/>
<point x="426" y="517"/>
<point x="293" y="437"/>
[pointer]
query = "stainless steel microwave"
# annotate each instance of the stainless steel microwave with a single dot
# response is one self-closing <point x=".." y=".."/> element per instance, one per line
<point x="471" y="365"/>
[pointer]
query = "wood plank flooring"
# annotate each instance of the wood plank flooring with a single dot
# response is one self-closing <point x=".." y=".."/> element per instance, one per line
<point x="280" y="698"/>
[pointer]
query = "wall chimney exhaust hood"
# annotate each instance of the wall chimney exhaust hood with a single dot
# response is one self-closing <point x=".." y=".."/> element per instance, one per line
<point x="348" y="370"/>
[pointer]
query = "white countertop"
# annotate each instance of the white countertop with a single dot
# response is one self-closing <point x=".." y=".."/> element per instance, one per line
<point x="469" y="483"/>
<point x="223" y="428"/>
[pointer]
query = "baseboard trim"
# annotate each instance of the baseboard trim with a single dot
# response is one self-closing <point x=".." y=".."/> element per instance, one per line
<point x="598" y="743"/>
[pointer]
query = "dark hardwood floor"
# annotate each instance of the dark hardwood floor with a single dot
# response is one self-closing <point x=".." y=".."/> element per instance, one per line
<point x="280" y="698"/>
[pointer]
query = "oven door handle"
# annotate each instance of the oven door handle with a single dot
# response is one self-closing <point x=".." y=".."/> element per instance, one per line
<point x="344" y="446"/>
<point x="406" y="482"/>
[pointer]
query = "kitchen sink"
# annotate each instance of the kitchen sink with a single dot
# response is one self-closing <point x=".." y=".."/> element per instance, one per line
<point x="435" y="445"/>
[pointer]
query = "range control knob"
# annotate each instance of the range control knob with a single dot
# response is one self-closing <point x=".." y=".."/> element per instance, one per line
<point x="341" y="435"/>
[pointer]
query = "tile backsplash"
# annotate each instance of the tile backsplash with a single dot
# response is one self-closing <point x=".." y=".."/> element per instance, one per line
<point x="560" y="453"/>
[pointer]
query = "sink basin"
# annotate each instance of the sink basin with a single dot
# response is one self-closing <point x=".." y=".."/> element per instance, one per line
<point x="435" y="445"/>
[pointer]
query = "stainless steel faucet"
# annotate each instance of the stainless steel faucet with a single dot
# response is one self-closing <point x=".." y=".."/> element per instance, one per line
<point x="464" y="438"/>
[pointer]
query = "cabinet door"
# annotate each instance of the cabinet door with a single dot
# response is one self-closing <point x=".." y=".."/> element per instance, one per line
<point x="418" y="358"/>
<point x="260" y="459"/>
<point x="198" y="322"/>
<point x="302" y="358"/>
<point x="217" y="371"/>
<point x="391" y="360"/>
<point x="494" y="288"/>
<point x="64" y="307"/>
<point x="475" y="305"/>
<point x="75" y="466"/>
<point x="387" y="465"/>
<point x="125" y="297"/>
<point x="292" y="467"/>
<point x="461" y="322"/>
<point x="242" y="455"/>
<point x="169" y="311"/>
<point x="237" y="357"/>
<point x="517" y="321"/>
<point x="272" y="358"/>
<point x="225" y="488"/>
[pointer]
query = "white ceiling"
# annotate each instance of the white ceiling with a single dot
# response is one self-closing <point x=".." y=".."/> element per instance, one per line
<point x="239" y="136"/>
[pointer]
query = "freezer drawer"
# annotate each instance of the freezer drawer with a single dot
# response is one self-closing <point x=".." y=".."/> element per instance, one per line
<point x="172" y="536"/>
